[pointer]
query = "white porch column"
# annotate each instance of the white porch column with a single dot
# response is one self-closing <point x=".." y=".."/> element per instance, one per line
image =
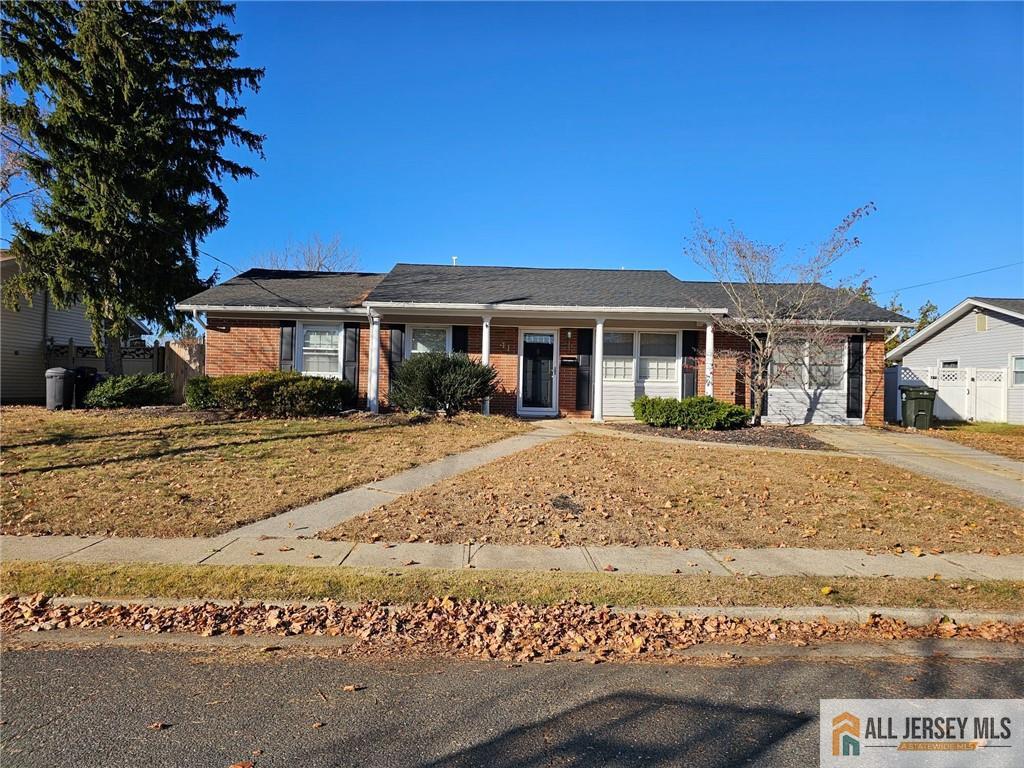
<point x="485" y="356"/>
<point x="709" y="360"/>
<point x="373" y="380"/>
<point x="598" y="371"/>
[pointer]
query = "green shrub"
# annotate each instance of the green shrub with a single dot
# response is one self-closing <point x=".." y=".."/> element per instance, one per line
<point x="312" y="396"/>
<point x="444" y="383"/>
<point x="279" y="393"/>
<point x="199" y="393"/>
<point x="689" y="413"/>
<point x="130" y="391"/>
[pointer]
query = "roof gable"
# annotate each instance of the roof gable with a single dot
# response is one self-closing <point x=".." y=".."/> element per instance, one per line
<point x="288" y="288"/>
<point x="1012" y="307"/>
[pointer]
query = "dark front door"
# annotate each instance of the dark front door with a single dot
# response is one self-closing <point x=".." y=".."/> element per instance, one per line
<point x="538" y="370"/>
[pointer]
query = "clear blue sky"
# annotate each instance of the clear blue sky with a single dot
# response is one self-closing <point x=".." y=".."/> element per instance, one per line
<point x="588" y="135"/>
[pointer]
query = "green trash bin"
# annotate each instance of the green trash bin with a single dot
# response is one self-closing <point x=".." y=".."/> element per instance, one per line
<point x="918" y="406"/>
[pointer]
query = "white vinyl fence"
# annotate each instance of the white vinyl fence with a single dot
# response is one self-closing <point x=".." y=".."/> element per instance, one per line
<point x="964" y="394"/>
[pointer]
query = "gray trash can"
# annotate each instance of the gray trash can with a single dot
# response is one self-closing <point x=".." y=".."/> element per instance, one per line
<point x="60" y="389"/>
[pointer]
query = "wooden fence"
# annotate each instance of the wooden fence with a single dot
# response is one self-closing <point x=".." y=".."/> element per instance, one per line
<point x="183" y="360"/>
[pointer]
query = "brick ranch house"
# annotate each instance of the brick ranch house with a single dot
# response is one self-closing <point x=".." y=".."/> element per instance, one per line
<point x="548" y="332"/>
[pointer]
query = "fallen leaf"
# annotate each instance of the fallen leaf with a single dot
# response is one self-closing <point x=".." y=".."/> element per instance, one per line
<point x="827" y="590"/>
<point x="352" y="688"/>
<point x="610" y="568"/>
<point x="158" y="726"/>
<point x="318" y="724"/>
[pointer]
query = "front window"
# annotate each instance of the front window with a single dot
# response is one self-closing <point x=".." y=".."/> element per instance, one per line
<point x="321" y="345"/>
<point x="1018" y="371"/>
<point x="787" y="367"/>
<point x="658" y="356"/>
<point x="826" y="366"/>
<point x="618" y="356"/>
<point x="428" y="340"/>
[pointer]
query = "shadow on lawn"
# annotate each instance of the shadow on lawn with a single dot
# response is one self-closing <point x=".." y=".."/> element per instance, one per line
<point x="195" y="449"/>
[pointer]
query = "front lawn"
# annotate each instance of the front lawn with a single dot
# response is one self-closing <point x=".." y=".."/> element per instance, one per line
<point x="1004" y="439"/>
<point x="169" y="472"/>
<point x="589" y="489"/>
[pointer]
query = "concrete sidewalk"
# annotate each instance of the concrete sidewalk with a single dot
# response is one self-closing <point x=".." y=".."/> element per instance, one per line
<point x="986" y="473"/>
<point x="250" y="550"/>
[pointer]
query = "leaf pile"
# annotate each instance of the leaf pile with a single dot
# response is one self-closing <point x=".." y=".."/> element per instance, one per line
<point x="473" y="628"/>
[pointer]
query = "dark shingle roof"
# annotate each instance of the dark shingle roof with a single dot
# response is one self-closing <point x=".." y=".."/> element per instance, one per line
<point x="528" y="286"/>
<point x="289" y="288"/>
<point x="518" y="286"/>
<point x="1011" y="305"/>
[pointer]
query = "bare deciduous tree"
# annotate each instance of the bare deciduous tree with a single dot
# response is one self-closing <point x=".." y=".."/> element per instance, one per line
<point x="14" y="184"/>
<point x="314" y="255"/>
<point x="781" y="307"/>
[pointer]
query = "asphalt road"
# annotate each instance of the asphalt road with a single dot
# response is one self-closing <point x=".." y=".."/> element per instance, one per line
<point x="91" y="707"/>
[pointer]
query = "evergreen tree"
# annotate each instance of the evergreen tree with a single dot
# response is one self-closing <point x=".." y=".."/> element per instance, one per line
<point x="123" y="112"/>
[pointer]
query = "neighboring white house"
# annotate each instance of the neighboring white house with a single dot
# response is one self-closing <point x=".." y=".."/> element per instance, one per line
<point x="973" y="355"/>
<point x="38" y="336"/>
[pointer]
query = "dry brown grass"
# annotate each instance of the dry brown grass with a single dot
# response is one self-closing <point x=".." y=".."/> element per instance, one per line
<point x="588" y="489"/>
<point x="174" y="473"/>
<point x="279" y="582"/>
<point x="1003" y="439"/>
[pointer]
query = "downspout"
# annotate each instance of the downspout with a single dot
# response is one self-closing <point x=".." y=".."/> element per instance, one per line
<point x="196" y="320"/>
<point x="895" y="333"/>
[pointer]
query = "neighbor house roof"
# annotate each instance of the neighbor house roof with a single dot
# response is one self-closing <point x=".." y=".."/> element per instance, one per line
<point x="286" y="289"/>
<point x="1007" y="306"/>
<point x="467" y="288"/>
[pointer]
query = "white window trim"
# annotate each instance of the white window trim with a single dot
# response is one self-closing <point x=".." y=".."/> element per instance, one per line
<point x="407" y="352"/>
<point x="297" y="352"/>
<point x="841" y="385"/>
<point x="676" y="360"/>
<point x="1009" y="372"/>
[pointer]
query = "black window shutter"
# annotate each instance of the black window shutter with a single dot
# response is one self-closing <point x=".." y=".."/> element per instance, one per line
<point x="757" y="359"/>
<point x="286" y="359"/>
<point x="395" y="353"/>
<point x="350" y="365"/>
<point x="855" y="377"/>
<point x="460" y="339"/>
<point x="584" y="371"/>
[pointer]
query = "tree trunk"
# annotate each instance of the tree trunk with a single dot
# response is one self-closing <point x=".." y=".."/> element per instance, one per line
<point x="112" y="355"/>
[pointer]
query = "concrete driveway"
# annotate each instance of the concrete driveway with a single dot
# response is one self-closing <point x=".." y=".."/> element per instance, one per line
<point x="986" y="473"/>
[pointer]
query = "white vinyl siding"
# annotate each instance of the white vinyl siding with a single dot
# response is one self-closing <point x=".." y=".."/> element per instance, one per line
<point x="809" y="384"/>
<point x="995" y="348"/>
<point x="639" y="363"/>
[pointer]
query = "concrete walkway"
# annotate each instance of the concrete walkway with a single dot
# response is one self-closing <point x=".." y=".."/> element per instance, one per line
<point x="334" y="510"/>
<point x="986" y="473"/>
<point x="268" y="550"/>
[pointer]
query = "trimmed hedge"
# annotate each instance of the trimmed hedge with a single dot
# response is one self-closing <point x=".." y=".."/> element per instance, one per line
<point x="437" y="382"/>
<point x="130" y="391"/>
<point x="199" y="394"/>
<point x="701" y="412"/>
<point x="275" y="393"/>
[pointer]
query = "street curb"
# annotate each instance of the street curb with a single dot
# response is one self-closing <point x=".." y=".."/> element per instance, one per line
<point x="835" y="614"/>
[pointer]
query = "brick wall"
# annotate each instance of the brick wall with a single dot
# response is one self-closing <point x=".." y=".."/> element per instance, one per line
<point x="363" y="381"/>
<point x="874" y="380"/>
<point x="729" y="385"/>
<point x="567" y="375"/>
<point x="242" y="346"/>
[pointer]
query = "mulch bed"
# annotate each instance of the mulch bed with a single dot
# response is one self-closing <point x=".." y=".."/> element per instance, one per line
<point x="479" y="629"/>
<point x="766" y="436"/>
